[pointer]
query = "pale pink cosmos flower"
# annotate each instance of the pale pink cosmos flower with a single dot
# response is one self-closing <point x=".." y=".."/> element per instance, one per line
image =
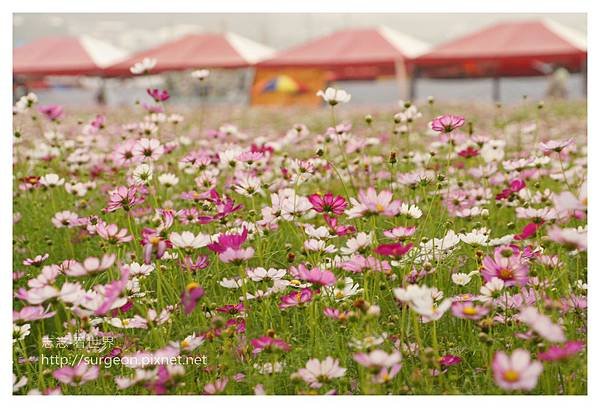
<point x="507" y="264"/>
<point x="517" y="371"/>
<point x="555" y="145"/>
<point x="468" y="310"/>
<point x="65" y="219"/>
<point x="542" y="324"/>
<point x="31" y="313"/>
<point x="320" y="277"/>
<point x="570" y="238"/>
<point x="400" y="232"/>
<point x="90" y="265"/>
<point x="148" y="149"/>
<point x="78" y="375"/>
<point x="112" y="233"/>
<point x="378" y="359"/>
<point x="216" y="387"/>
<point x="372" y="203"/>
<point x="316" y="372"/>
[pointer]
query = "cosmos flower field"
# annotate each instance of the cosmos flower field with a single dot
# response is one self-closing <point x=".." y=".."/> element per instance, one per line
<point x="427" y="249"/>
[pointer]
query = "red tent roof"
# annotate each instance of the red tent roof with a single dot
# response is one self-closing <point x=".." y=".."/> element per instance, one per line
<point x="205" y="50"/>
<point x="64" y="56"/>
<point x="366" y="52"/>
<point x="527" y="48"/>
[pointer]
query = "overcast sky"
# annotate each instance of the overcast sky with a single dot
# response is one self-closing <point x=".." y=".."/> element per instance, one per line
<point x="137" y="31"/>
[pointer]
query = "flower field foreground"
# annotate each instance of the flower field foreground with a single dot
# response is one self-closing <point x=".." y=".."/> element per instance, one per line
<point x="429" y="250"/>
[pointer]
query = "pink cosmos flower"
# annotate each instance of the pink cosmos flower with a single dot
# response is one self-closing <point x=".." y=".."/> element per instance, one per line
<point x="154" y="242"/>
<point x="90" y="265"/>
<point x="377" y="359"/>
<point x="52" y="112"/>
<point x="190" y="296"/>
<point x="570" y="238"/>
<point x="395" y="250"/>
<point x="123" y="154"/>
<point x="316" y="372"/>
<point x="517" y="371"/>
<point x="328" y="203"/>
<point x="158" y="95"/>
<point x="148" y="150"/>
<point x="111" y="292"/>
<point x="225" y="241"/>
<point x="80" y="374"/>
<point x="267" y="344"/>
<point x="400" y="232"/>
<point x="337" y="229"/>
<point x="372" y="203"/>
<point x="319" y="277"/>
<point x="36" y="261"/>
<point x="468" y="310"/>
<point x="507" y="264"/>
<point x="359" y="264"/>
<point x="31" y="313"/>
<point x="555" y="145"/>
<point x="296" y="298"/>
<point x="112" y="233"/>
<point x="200" y="263"/>
<point x="447" y="123"/>
<point x="561" y="352"/>
<point x="125" y="197"/>
<point x="216" y="387"/>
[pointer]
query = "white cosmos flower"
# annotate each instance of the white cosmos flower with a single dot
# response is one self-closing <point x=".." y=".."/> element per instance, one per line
<point x="334" y="96"/>
<point x="51" y="180"/>
<point x="361" y="241"/>
<point x="200" y="74"/>
<point x="462" y="279"/>
<point x="316" y="245"/>
<point x="476" y="236"/>
<point x="143" y="173"/>
<point x="411" y="210"/>
<point x="168" y="179"/>
<point x="259" y="274"/>
<point x="143" y="66"/>
<point x="188" y="240"/>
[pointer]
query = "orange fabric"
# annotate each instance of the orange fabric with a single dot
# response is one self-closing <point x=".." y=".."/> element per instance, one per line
<point x="310" y="79"/>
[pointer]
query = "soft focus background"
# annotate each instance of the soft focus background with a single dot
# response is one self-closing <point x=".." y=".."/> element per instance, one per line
<point x="135" y="32"/>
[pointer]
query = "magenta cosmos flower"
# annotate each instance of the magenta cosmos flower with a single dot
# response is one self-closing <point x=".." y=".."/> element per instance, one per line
<point x="447" y="123"/>
<point x="395" y="250"/>
<point x="372" y="203"/>
<point x="517" y="371"/>
<point x="328" y="203"/>
<point x="229" y="247"/>
<point x="190" y="296"/>
<point x="267" y="343"/>
<point x="554" y="353"/>
<point x="468" y="310"/>
<point x="158" y="95"/>
<point x="296" y="298"/>
<point x="80" y="374"/>
<point x="508" y="265"/>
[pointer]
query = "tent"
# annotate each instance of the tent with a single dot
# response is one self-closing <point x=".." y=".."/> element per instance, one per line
<point x="204" y="50"/>
<point x="526" y="48"/>
<point x="64" y="56"/>
<point x="353" y="54"/>
<point x="364" y="53"/>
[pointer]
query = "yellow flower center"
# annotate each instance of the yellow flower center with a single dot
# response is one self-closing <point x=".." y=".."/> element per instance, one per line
<point x="469" y="310"/>
<point x="185" y="343"/>
<point x="379" y="208"/>
<point x="154" y="240"/>
<point x="505" y="273"/>
<point x="294" y="282"/>
<point x="511" y="376"/>
<point x="192" y="285"/>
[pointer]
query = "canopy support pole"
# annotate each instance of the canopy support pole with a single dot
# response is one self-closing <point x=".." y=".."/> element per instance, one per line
<point x="412" y="84"/>
<point x="496" y="89"/>
<point x="584" y="78"/>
